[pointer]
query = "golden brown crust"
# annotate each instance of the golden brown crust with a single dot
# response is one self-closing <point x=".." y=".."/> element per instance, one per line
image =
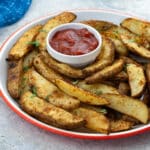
<point x="14" y="78"/>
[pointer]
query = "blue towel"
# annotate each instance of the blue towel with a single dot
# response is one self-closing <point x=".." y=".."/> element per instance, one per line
<point x="12" y="10"/>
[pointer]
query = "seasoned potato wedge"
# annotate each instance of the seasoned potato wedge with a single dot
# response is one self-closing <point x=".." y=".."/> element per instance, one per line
<point x="64" y="17"/>
<point x="24" y="44"/>
<point x="128" y="106"/>
<point x="105" y="58"/>
<point x="137" y="26"/>
<point x="14" y="78"/>
<point x="97" y="88"/>
<point x="82" y="95"/>
<point x="49" y="113"/>
<point x="137" y="79"/>
<point x="48" y="91"/>
<point x="94" y="120"/>
<point x="107" y="72"/>
<point x="61" y="67"/>
<point x="120" y="125"/>
<point x="44" y="70"/>
<point x="99" y="25"/>
<point x="28" y="59"/>
<point x="135" y="48"/>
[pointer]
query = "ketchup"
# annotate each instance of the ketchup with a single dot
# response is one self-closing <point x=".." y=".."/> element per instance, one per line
<point x="74" y="41"/>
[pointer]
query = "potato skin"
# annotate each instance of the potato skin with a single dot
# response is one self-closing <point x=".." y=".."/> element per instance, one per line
<point x="62" y="68"/>
<point x="49" y="113"/>
<point x="14" y="78"/>
<point x="106" y="73"/>
<point x="99" y="25"/>
<point x="105" y="58"/>
<point x="148" y="75"/>
<point x="64" y="17"/>
<point x="23" y="46"/>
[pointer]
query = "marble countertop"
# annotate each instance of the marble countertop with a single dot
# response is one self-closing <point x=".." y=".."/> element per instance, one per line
<point x="17" y="134"/>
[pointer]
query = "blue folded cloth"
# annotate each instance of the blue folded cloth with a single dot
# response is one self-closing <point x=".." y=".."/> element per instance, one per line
<point x="12" y="10"/>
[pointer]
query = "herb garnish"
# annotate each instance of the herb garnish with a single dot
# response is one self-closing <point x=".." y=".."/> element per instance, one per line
<point x="25" y="68"/>
<point x="35" y="43"/>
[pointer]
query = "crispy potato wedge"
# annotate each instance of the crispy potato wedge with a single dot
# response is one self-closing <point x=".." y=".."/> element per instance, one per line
<point x="105" y="58"/>
<point x="28" y="59"/>
<point x="137" y="79"/>
<point x="62" y="68"/>
<point x="135" y="48"/>
<point x="94" y="120"/>
<point x="64" y="17"/>
<point x="49" y="113"/>
<point x="44" y="70"/>
<point x="107" y="72"/>
<point x="24" y="44"/>
<point x="97" y="88"/>
<point x="48" y="91"/>
<point x="124" y="88"/>
<point x="137" y="26"/>
<point x="120" y="125"/>
<point x="148" y="75"/>
<point x="128" y="106"/>
<point x="14" y="78"/>
<point x="82" y="95"/>
<point x="99" y="25"/>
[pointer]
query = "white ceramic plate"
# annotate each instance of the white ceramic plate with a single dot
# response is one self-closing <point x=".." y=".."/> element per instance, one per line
<point x="106" y="15"/>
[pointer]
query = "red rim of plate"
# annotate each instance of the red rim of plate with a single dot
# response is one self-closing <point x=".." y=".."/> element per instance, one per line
<point x="61" y="131"/>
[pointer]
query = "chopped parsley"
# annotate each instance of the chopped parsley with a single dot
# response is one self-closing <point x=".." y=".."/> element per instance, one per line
<point x="34" y="92"/>
<point x="35" y="43"/>
<point x="25" y="68"/>
<point x="47" y="98"/>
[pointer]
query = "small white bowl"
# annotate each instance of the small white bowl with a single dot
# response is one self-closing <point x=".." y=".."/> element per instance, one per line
<point x="74" y="60"/>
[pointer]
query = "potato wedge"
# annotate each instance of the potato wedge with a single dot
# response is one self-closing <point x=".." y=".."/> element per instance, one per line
<point x="82" y="95"/>
<point x="107" y="72"/>
<point x="105" y="58"/>
<point x="49" y="113"/>
<point x="94" y="120"/>
<point x="97" y="88"/>
<point x="137" y="79"/>
<point x="137" y="26"/>
<point x="14" y="78"/>
<point x="48" y="91"/>
<point x="44" y="70"/>
<point x="24" y="44"/>
<point x="99" y="25"/>
<point x="28" y="59"/>
<point x="128" y="106"/>
<point x="64" y="17"/>
<point x="62" y="68"/>
<point x="120" y="125"/>
<point x="135" y="48"/>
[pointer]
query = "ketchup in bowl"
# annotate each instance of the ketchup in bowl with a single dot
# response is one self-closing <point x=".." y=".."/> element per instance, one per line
<point x="74" y="41"/>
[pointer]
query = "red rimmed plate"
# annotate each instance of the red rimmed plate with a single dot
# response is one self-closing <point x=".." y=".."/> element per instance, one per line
<point x="100" y="14"/>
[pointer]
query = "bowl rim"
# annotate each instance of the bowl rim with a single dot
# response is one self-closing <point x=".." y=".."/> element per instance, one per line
<point x="55" y="130"/>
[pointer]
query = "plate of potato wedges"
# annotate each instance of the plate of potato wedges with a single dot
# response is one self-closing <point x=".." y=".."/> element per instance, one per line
<point x="107" y="99"/>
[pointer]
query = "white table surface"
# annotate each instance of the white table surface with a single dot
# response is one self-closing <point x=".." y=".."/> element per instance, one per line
<point x="17" y="134"/>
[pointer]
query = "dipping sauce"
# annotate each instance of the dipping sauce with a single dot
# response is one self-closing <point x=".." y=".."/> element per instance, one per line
<point x="74" y="41"/>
